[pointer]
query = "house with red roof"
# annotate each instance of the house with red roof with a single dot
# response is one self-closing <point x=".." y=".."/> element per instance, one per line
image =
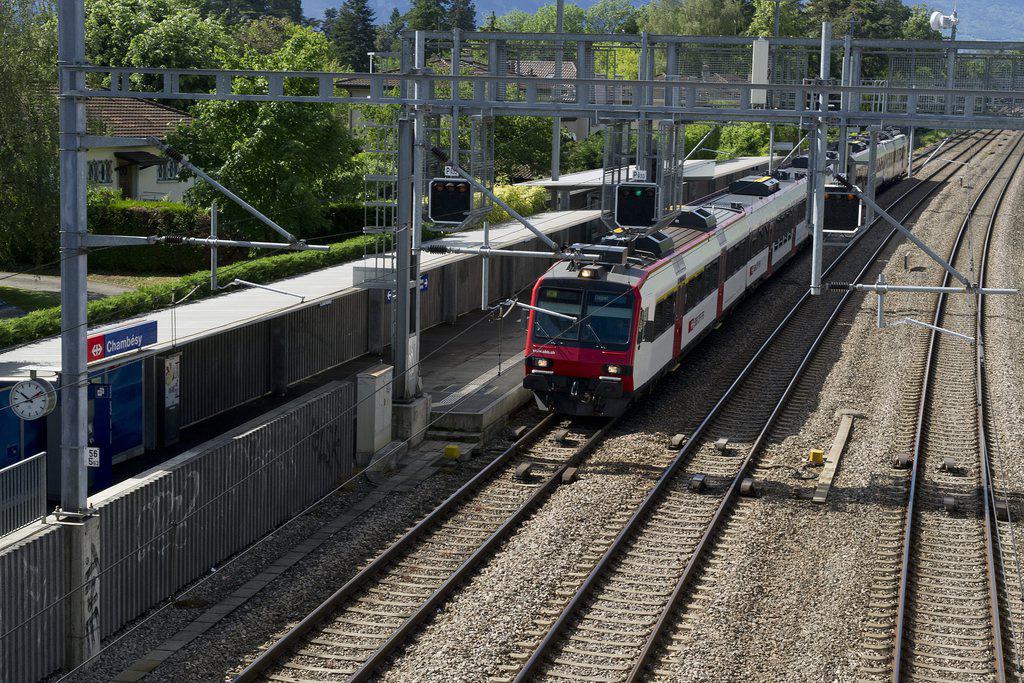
<point x="135" y="172"/>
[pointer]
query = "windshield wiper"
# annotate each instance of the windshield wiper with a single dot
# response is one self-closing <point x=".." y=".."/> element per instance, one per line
<point x="600" y="344"/>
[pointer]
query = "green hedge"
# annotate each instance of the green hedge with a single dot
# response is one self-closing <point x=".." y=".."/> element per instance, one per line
<point x="125" y="217"/>
<point x="526" y="200"/>
<point x="110" y="215"/>
<point x="46" y="322"/>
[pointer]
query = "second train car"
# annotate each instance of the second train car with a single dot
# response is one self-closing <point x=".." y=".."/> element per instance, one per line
<point x="843" y="209"/>
<point x="603" y="332"/>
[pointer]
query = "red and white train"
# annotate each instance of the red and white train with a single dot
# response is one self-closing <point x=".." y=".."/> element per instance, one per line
<point x="601" y="333"/>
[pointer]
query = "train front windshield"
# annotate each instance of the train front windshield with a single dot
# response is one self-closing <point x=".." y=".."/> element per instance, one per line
<point x="604" y="319"/>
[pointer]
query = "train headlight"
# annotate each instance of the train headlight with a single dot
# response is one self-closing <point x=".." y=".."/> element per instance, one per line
<point x="616" y="370"/>
<point x="589" y="273"/>
<point x="541" y="362"/>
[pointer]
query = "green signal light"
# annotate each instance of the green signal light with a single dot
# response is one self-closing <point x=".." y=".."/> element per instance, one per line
<point x="638" y="192"/>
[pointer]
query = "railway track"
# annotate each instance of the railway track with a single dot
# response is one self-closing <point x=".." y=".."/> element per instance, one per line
<point x="358" y="627"/>
<point x="948" y="611"/>
<point x="996" y="453"/>
<point x="611" y="627"/>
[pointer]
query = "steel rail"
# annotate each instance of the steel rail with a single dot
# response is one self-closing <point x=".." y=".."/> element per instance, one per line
<point x="535" y="661"/>
<point x="292" y="638"/>
<point x="988" y="489"/>
<point x="922" y="412"/>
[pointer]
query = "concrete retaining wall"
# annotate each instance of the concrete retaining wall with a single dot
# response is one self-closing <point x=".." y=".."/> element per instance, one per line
<point x="165" y="528"/>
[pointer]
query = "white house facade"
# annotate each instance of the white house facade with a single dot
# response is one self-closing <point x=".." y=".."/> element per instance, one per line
<point x="141" y="173"/>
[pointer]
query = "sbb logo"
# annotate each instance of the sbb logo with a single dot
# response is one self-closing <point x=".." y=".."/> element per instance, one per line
<point x="96" y="348"/>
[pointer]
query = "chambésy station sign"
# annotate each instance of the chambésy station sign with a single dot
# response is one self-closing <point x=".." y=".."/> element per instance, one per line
<point x="119" y="339"/>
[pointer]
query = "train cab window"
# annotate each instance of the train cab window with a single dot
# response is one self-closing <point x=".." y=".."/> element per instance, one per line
<point x="553" y="329"/>
<point x="607" y="320"/>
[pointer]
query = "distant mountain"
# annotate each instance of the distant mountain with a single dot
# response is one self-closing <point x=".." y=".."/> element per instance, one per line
<point x="988" y="19"/>
<point x="979" y="19"/>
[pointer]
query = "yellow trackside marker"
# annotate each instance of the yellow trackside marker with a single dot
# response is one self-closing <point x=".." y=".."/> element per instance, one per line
<point x="452" y="451"/>
<point x="816" y="457"/>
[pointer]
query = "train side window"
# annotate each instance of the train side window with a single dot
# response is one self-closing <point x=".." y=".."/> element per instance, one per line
<point x="664" y="316"/>
<point x="711" y="279"/>
<point x="736" y="257"/>
<point x="694" y="290"/>
<point x="758" y="241"/>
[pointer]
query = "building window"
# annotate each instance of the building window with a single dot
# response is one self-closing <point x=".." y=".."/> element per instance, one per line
<point x="101" y="172"/>
<point x="167" y="171"/>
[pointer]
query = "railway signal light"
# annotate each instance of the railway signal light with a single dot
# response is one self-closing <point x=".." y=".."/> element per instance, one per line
<point x="450" y="200"/>
<point x="636" y="205"/>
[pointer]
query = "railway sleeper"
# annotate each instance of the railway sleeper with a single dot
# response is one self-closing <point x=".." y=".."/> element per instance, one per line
<point x="576" y="665"/>
<point x="599" y="654"/>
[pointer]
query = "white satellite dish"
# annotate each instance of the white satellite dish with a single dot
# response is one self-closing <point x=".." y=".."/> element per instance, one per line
<point x="941" y="21"/>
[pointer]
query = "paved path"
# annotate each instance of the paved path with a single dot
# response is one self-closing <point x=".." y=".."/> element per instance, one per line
<point x="51" y="283"/>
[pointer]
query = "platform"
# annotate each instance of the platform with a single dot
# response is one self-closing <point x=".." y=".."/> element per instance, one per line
<point x="693" y="169"/>
<point x="460" y="369"/>
<point x="477" y="379"/>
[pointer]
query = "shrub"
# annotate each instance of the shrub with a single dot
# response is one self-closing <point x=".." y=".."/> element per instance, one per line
<point x="526" y="200"/>
<point x="110" y="215"/>
<point x="46" y="322"/>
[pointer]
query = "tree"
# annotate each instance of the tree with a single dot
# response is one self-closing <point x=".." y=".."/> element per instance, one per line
<point x="522" y="146"/>
<point x="872" y="18"/>
<point x="612" y="16"/>
<point x="265" y="35"/>
<point x="492" y="22"/>
<point x="286" y="159"/>
<point x="183" y="40"/>
<point x="744" y="140"/>
<point x="351" y="29"/>
<point x="695" y="17"/>
<point x="762" y="23"/>
<point x="461" y="14"/>
<point x="543" y="20"/>
<point x="584" y="154"/>
<point x="426" y="15"/>
<point x="917" y="26"/>
<point x="110" y="25"/>
<point x="28" y="132"/>
<point x="388" y="35"/>
<point x="235" y="11"/>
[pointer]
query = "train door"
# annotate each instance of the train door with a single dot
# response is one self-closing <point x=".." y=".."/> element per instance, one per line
<point x="677" y="343"/>
<point x="721" y="268"/>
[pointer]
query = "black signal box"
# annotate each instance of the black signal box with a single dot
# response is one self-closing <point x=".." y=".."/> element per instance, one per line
<point x="450" y="200"/>
<point x="636" y="205"/>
